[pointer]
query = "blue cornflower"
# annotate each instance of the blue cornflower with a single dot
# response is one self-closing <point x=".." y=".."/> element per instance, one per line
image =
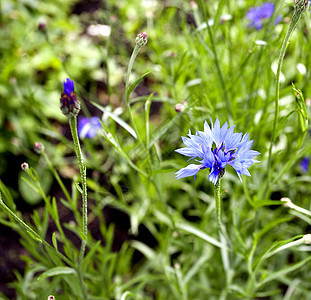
<point x="304" y="164"/>
<point x="217" y="147"/>
<point x="88" y="128"/>
<point x="257" y="14"/>
<point x="69" y="104"/>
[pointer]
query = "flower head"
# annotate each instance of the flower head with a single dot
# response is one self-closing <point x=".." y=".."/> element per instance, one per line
<point x="257" y="15"/>
<point x="88" y="128"/>
<point x="217" y="147"/>
<point x="304" y="164"/>
<point x="141" y="39"/>
<point x="301" y="5"/>
<point x="69" y="104"/>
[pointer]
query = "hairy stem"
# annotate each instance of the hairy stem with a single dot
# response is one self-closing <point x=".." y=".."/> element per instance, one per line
<point x="73" y="127"/>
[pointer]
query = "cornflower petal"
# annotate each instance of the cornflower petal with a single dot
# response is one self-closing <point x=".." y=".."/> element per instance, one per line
<point x="217" y="147"/>
<point x="190" y="170"/>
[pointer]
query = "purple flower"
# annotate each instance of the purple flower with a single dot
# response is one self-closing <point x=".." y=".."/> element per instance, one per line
<point x="69" y="104"/>
<point x="257" y="14"/>
<point x="88" y="128"/>
<point x="304" y="164"/>
<point x="217" y="147"/>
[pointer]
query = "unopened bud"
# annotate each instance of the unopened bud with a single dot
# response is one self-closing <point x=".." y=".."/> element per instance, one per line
<point x="69" y="104"/>
<point x="301" y="5"/>
<point x="38" y="147"/>
<point x="51" y="297"/>
<point x="141" y="39"/>
<point x="179" y="107"/>
<point x="42" y="26"/>
<point x="307" y="238"/>
<point x="24" y="166"/>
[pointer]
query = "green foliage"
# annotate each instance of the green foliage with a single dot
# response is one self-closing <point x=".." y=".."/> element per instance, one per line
<point x="215" y="70"/>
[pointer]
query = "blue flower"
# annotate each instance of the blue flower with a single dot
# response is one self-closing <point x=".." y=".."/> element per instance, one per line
<point x="88" y="128"/>
<point x="304" y="164"/>
<point x="217" y="147"/>
<point x="69" y="104"/>
<point x="257" y="14"/>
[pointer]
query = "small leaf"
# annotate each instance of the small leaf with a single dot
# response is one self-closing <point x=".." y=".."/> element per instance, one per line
<point x="127" y="127"/>
<point x="134" y="84"/>
<point x="54" y="241"/>
<point x="56" y="271"/>
<point x="79" y="188"/>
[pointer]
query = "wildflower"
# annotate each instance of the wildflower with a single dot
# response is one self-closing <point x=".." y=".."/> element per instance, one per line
<point x="69" y="104"/>
<point x="217" y="147"/>
<point x="304" y="164"/>
<point x="88" y="128"/>
<point x="257" y="15"/>
<point x="141" y="39"/>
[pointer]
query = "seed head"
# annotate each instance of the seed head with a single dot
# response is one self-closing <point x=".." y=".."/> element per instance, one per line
<point x="141" y="39"/>
<point x="301" y="5"/>
<point x="69" y="104"/>
<point x="38" y="147"/>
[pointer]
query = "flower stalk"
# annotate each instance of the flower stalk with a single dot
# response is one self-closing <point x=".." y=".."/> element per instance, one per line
<point x="74" y="132"/>
<point x="300" y="7"/>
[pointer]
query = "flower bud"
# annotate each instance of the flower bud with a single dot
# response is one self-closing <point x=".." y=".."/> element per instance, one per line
<point x="51" y="297"/>
<point x="141" y="39"/>
<point x="24" y="166"/>
<point x="38" y="147"/>
<point x="69" y="104"/>
<point x="301" y="5"/>
<point x="179" y="107"/>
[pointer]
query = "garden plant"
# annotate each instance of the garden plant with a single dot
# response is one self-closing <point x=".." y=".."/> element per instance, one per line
<point x="155" y="149"/>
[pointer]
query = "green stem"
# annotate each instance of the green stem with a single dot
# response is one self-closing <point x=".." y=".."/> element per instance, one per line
<point x="73" y="127"/>
<point x="34" y="234"/>
<point x="58" y="179"/>
<point x="128" y="73"/>
<point x="291" y="29"/>
<point x="218" y="206"/>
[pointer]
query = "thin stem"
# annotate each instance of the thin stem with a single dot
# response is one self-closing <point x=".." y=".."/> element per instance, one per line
<point x="58" y="179"/>
<point x="73" y="127"/>
<point x="291" y="28"/>
<point x="218" y="205"/>
<point x="128" y="73"/>
<point x="34" y="234"/>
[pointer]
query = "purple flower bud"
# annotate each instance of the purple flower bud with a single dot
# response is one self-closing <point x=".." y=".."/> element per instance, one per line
<point x="69" y="104"/>
<point x="38" y="147"/>
<point x="301" y="5"/>
<point x="141" y="39"/>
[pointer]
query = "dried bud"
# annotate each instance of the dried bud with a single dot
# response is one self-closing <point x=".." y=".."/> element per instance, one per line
<point x="301" y="5"/>
<point x="38" y="147"/>
<point x="69" y="104"/>
<point x="24" y="166"/>
<point x="141" y="39"/>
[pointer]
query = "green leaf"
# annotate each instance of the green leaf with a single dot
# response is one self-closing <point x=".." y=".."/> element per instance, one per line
<point x="199" y="233"/>
<point x="134" y="84"/>
<point x="79" y="188"/>
<point x="56" y="271"/>
<point x="54" y="241"/>
<point x="127" y="127"/>
<point x="8" y="199"/>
